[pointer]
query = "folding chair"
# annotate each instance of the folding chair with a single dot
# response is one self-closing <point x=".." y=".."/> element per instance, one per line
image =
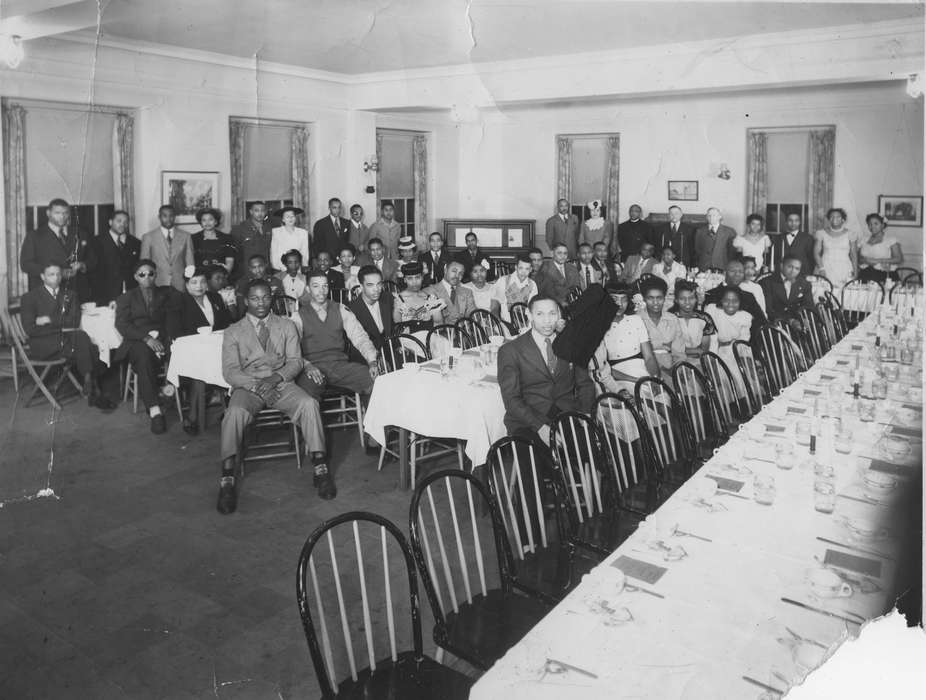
<point x="358" y="600"/>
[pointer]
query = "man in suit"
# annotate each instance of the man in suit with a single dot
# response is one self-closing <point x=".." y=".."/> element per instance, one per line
<point x="359" y="233"/>
<point x="57" y="242"/>
<point x="794" y="242"/>
<point x="631" y="234"/>
<point x="331" y="232"/>
<point x="50" y="317"/>
<point x="557" y="277"/>
<point x="537" y="385"/>
<point x="261" y="360"/>
<point x="535" y="255"/>
<point x="787" y="292"/>
<point x="639" y="264"/>
<point x="602" y="262"/>
<point x="472" y="256"/>
<point x="114" y="255"/>
<point x="170" y="248"/>
<point x="323" y="264"/>
<point x="141" y="315"/>
<point x="458" y="300"/>
<point x="387" y="229"/>
<point x="588" y="273"/>
<point x="714" y="242"/>
<point x="434" y="260"/>
<point x="252" y="237"/>
<point x="257" y="270"/>
<point x="563" y="227"/>
<point x="376" y="256"/>
<point x="735" y="275"/>
<point x="373" y="308"/>
<point x="678" y="235"/>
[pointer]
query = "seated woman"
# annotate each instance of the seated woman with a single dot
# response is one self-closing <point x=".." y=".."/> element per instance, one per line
<point x="211" y="246"/>
<point x="732" y="325"/>
<point x="625" y="353"/>
<point x="198" y="307"/>
<point x="346" y="267"/>
<point x="412" y="305"/>
<point x="217" y="281"/>
<point x="698" y="329"/>
<point x="665" y="331"/>
<point x="879" y="255"/>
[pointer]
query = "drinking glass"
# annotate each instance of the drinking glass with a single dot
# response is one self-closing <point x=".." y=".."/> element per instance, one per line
<point x="843" y="438"/>
<point x="763" y="489"/>
<point x="866" y="410"/>
<point x="784" y="454"/>
<point x="824" y="472"/>
<point x="824" y="496"/>
<point x="879" y="388"/>
<point x="445" y="366"/>
<point x="906" y="356"/>
<point x="802" y="432"/>
<point x="891" y="373"/>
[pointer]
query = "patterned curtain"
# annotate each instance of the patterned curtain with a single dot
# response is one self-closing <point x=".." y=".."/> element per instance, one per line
<point x="820" y="173"/>
<point x="757" y="173"/>
<point x="124" y="164"/>
<point x="564" y="167"/>
<point x="237" y="140"/>
<point x="420" y="170"/>
<point x="379" y="172"/>
<point x="300" y="162"/>
<point x="612" y="186"/>
<point x="13" y="281"/>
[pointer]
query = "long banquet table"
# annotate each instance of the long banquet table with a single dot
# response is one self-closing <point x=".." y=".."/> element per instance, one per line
<point x="734" y="615"/>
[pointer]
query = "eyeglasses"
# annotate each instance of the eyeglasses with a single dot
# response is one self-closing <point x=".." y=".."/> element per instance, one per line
<point x="144" y="274"/>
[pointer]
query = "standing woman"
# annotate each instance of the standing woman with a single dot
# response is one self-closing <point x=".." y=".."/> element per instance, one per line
<point x="288" y="236"/>
<point x="835" y="249"/>
<point x="597" y="229"/>
<point x="755" y="243"/>
<point x="880" y="255"/>
<point x="211" y="246"/>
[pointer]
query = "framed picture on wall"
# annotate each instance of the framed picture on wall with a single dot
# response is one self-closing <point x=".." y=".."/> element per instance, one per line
<point x="683" y="190"/>
<point x="188" y="191"/>
<point x="901" y="210"/>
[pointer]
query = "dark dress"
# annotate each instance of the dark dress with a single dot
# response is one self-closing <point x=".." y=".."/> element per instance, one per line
<point x="208" y="252"/>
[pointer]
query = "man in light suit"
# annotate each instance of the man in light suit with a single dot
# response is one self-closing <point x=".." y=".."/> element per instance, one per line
<point x="714" y="242"/>
<point x="57" y="242"/>
<point x="170" y="248"/>
<point x="376" y="256"/>
<point x="563" y="227"/>
<point x="678" y="235"/>
<point x="458" y="300"/>
<point x="637" y="265"/>
<point x="331" y="232"/>
<point x="793" y="242"/>
<point x="556" y="276"/>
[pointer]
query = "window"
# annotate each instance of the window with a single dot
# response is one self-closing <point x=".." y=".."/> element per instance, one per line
<point x="787" y="178"/>
<point x="397" y="176"/>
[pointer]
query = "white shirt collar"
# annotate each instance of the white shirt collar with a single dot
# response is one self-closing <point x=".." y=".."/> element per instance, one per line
<point x="53" y="292"/>
<point x="116" y="236"/>
<point x="541" y="342"/>
<point x="166" y="231"/>
<point x="446" y="286"/>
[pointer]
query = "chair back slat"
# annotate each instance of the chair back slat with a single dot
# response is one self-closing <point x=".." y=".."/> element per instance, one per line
<point x="779" y="355"/>
<point x="474" y="330"/>
<point x="464" y="570"/>
<point x="722" y="381"/>
<point x="489" y="322"/>
<point x="625" y="438"/>
<point x="578" y="461"/>
<point x="320" y="611"/>
<point x="480" y="567"/>
<point x="859" y="299"/>
<point x="445" y="336"/>
<point x="345" y="627"/>
<point x="399" y="350"/>
<point x="693" y="399"/>
<point x="520" y="315"/>
<point x="448" y="575"/>
<point x="365" y="601"/>
<point x="656" y="414"/>
<point x="387" y="586"/>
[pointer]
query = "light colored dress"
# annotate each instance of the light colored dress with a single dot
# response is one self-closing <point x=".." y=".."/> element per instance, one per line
<point x="837" y="265"/>
<point x="730" y="329"/>
<point x="753" y="249"/>
<point x="596" y="230"/>
<point x="879" y="250"/>
<point x="677" y="272"/>
<point x="620" y="349"/>
<point x="667" y="339"/>
<point x="282" y="241"/>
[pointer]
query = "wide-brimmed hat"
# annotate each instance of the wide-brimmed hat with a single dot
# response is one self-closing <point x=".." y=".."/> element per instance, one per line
<point x="216" y="214"/>
<point x="406" y="243"/>
<point x="295" y="210"/>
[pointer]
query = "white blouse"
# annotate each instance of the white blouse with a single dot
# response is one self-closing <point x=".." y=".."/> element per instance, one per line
<point x="282" y="241"/>
<point x="623" y="340"/>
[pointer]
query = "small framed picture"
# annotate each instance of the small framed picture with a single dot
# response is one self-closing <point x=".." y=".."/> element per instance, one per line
<point x="188" y="191"/>
<point x="683" y="190"/>
<point x="901" y="210"/>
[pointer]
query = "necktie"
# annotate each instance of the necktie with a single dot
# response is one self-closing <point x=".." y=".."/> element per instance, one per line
<point x="146" y="293"/>
<point x="674" y="229"/>
<point x="588" y="276"/>
<point x="564" y="219"/>
<point x="121" y="242"/>
<point x="713" y="231"/>
<point x="170" y="239"/>
<point x="63" y="236"/>
<point x="453" y="296"/>
<point x="551" y="358"/>
<point x="263" y="334"/>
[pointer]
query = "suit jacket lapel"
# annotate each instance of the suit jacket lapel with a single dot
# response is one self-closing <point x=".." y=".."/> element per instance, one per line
<point x="533" y="352"/>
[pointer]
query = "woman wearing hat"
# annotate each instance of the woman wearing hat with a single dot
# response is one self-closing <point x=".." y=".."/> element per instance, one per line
<point x="596" y="229"/>
<point x="288" y="236"/>
<point x="411" y="303"/>
<point x="211" y="246"/>
<point x="408" y="251"/>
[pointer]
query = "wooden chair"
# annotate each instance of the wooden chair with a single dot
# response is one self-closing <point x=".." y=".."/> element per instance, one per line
<point x="409" y="327"/>
<point x="839" y="317"/>
<point x="662" y="413"/>
<point x="342" y="296"/>
<point x="358" y="600"/>
<point x="815" y="338"/>
<point x="820" y="286"/>
<point x="130" y="388"/>
<point x="489" y="322"/>
<point x="776" y="350"/>
<point x="573" y="295"/>
<point x="355" y="292"/>
<point x="445" y="336"/>
<point x="342" y="408"/>
<point x="255" y="447"/>
<point x="901" y="273"/>
<point x="704" y="416"/>
<point x="465" y="564"/>
<point x="754" y="377"/>
<point x="724" y="390"/>
<point x="474" y="330"/>
<point x="859" y="299"/>
<point x="284" y="306"/>
<point x="520" y="316"/>
<point x="390" y="287"/>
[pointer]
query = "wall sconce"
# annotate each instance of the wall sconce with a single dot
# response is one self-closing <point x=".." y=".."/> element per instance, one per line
<point x="11" y="50"/>
<point x="371" y="164"/>
<point x="724" y="173"/>
<point x="916" y="85"/>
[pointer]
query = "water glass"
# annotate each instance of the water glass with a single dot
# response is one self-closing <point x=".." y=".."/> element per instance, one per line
<point x="866" y="410"/>
<point x="824" y="472"/>
<point x="879" y="388"/>
<point x="906" y="356"/>
<point x="891" y="373"/>
<point x="802" y="432"/>
<point x="824" y="496"/>
<point x="763" y="489"/>
<point x="445" y="366"/>
<point x="843" y="438"/>
<point x="784" y="454"/>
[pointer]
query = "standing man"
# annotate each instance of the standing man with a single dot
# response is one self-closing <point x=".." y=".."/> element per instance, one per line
<point x="631" y="234"/>
<point x="373" y="308"/>
<point x="376" y="256"/>
<point x="331" y="232"/>
<point x="359" y="233"/>
<point x="387" y="229"/>
<point x="169" y="248"/>
<point x="678" y="235"/>
<point x="472" y="256"/>
<point x="563" y="227"/>
<point x="114" y="255"/>
<point x="60" y="243"/>
<point x="434" y="261"/>
<point x="260" y="361"/>
<point x="252" y="237"/>
<point x="714" y="242"/>
<point x="795" y="242"/>
<point x="458" y="300"/>
<point x="556" y="276"/>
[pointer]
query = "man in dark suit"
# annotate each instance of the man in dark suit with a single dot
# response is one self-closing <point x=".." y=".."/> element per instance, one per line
<point x="323" y="264"/>
<point x="57" y="242"/>
<point x="677" y="235"/>
<point x="794" y="242"/>
<point x="736" y="273"/>
<point x="563" y="227"/>
<point x="472" y="256"/>
<point x="556" y="276"/>
<point x="714" y="242"/>
<point x="376" y="256"/>
<point x="252" y="237"/>
<point x="50" y="317"/>
<point x="141" y="320"/>
<point x="631" y="234"/>
<point x="602" y="262"/>
<point x="332" y="232"/>
<point x="434" y="261"/>
<point x="113" y="256"/>
<point x="787" y="292"/>
<point x="373" y="308"/>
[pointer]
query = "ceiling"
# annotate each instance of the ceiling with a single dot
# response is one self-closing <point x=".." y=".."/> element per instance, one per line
<point x="363" y="36"/>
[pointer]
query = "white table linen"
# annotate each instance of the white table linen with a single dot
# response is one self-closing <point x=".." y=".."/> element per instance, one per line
<point x="100" y="324"/>
<point x="197" y="357"/>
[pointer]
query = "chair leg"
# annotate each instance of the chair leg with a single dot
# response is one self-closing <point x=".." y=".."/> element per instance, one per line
<point x="359" y="405"/>
<point x="180" y="408"/>
<point x="297" y="443"/>
<point x="412" y="451"/>
<point x="40" y="386"/>
<point x="77" y="385"/>
<point x="15" y="369"/>
<point x="134" y="393"/>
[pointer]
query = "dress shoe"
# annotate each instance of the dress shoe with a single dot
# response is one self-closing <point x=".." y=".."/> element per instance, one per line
<point x="325" y="485"/>
<point x="190" y="428"/>
<point x="101" y="402"/>
<point x="158" y="424"/>
<point x="228" y="496"/>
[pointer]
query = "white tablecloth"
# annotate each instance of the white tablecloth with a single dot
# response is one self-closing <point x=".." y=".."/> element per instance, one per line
<point x="100" y="325"/>
<point x="427" y="404"/>
<point x="722" y="616"/>
<point x="197" y="357"/>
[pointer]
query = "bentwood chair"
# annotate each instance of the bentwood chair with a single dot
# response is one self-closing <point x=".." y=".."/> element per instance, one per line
<point x="445" y="336"/>
<point x="474" y="330"/>
<point x="901" y="273"/>
<point x="705" y="419"/>
<point x="828" y="322"/>
<point x="777" y="352"/>
<point x="726" y="390"/>
<point x="520" y="316"/>
<point x="390" y="287"/>
<point x="409" y="327"/>
<point x="752" y="371"/>
<point x="358" y="599"/>
<point x="465" y="564"/>
<point x="546" y="564"/>
<point x="835" y="307"/>
<point x="283" y="305"/>
<point x="910" y="285"/>
<point x="489" y="322"/>
<point x="342" y="296"/>
<point x="820" y="286"/>
<point x="859" y="299"/>
<point x="664" y="417"/>
<point x="814" y="337"/>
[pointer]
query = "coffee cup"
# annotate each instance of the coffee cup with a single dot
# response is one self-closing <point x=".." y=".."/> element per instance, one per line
<point x="825" y="583"/>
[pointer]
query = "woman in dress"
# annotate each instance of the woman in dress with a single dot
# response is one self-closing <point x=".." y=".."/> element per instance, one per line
<point x="732" y="324"/>
<point x="880" y="255"/>
<point x="518" y="287"/>
<point x="625" y="353"/>
<point x="698" y="329"/>
<point x="288" y="236"/>
<point x="211" y="246"/>
<point x="755" y="242"/>
<point x="346" y="267"/>
<point x="413" y="305"/>
<point x="665" y="331"/>
<point x="596" y="229"/>
<point x="835" y="249"/>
